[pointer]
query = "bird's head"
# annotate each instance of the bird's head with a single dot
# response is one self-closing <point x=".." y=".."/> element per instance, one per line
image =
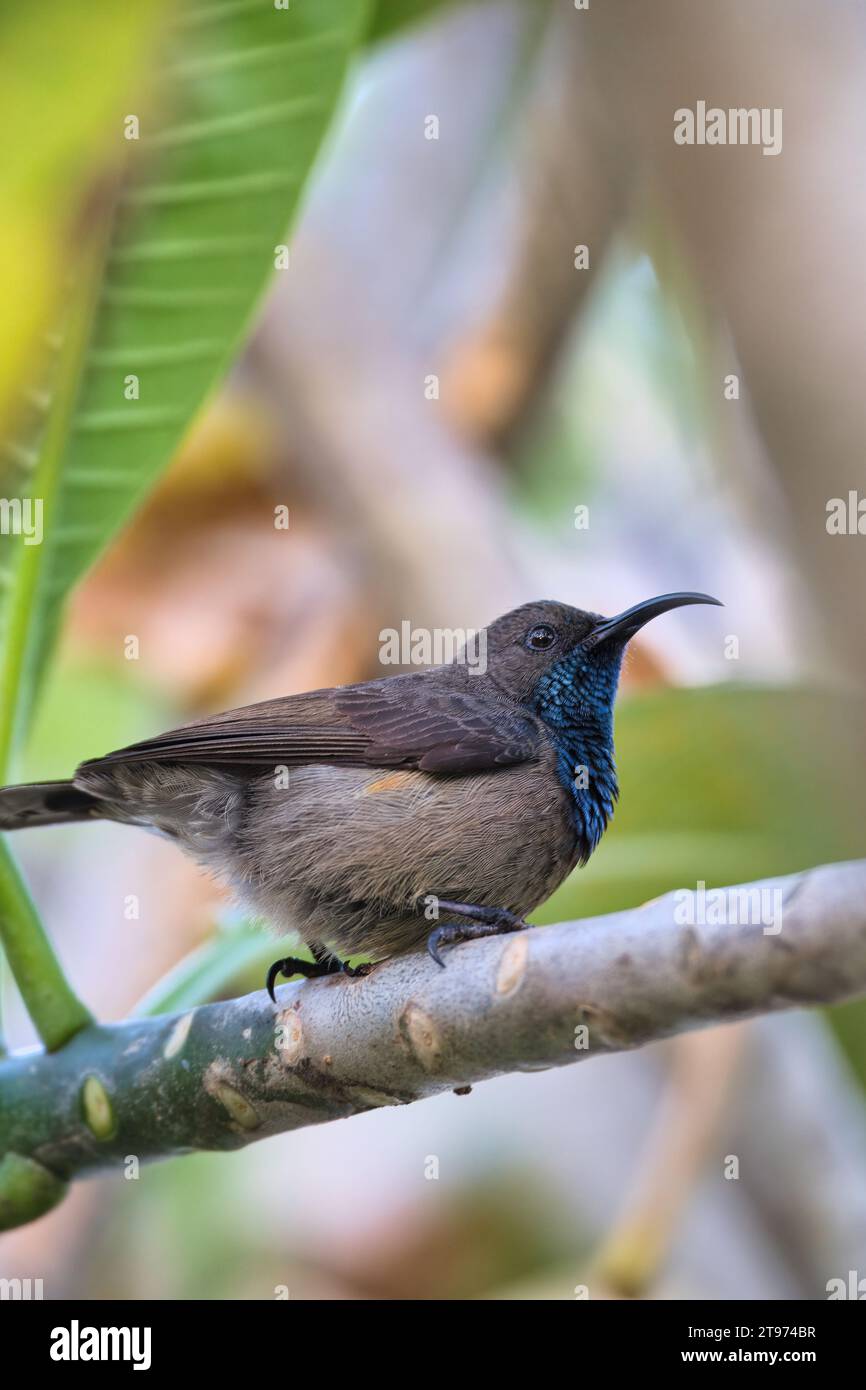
<point x="565" y="662"/>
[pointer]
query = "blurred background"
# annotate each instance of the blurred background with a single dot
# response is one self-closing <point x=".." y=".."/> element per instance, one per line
<point x="462" y="410"/>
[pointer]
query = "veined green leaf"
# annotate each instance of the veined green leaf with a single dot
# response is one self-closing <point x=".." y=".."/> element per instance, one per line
<point x="181" y="236"/>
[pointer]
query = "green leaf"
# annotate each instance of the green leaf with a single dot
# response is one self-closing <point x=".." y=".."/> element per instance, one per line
<point x="179" y="244"/>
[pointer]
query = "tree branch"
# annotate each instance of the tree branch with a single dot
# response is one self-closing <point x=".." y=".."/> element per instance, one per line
<point x="224" y="1075"/>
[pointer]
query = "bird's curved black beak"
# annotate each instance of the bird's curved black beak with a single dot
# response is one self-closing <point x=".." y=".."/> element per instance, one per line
<point x="625" y="625"/>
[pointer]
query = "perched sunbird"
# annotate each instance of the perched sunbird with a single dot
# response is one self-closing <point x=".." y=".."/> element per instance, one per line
<point x="430" y="806"/>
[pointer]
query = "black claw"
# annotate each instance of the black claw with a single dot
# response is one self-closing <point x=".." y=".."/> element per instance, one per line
<point x="439" y="934"/>
<point x="483" y="921"/>
<point x="292" y="965"/>
<point x="273" y="972"/>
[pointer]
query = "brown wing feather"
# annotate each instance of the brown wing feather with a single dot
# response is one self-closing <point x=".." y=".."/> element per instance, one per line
<point x="402" y="721"/>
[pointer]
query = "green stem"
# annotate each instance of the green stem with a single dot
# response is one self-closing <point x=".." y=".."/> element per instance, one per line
<point x="57" y="1012"/>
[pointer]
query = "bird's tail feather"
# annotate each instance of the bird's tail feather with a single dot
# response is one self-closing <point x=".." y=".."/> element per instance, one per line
<point x="46" y="803"/>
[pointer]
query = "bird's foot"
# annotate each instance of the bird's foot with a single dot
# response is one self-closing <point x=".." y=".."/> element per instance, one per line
<point x="483" y="921"/>
<point x="311" y="970"/>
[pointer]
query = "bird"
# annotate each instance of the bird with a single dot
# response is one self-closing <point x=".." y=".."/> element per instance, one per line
<point x="423" y="808"/>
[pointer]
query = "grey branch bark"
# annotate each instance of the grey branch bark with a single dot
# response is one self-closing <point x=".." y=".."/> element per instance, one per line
<point x="227" y="1074"/>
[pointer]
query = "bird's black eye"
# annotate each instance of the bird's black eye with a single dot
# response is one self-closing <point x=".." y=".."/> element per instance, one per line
<point x="538" y="639"/>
